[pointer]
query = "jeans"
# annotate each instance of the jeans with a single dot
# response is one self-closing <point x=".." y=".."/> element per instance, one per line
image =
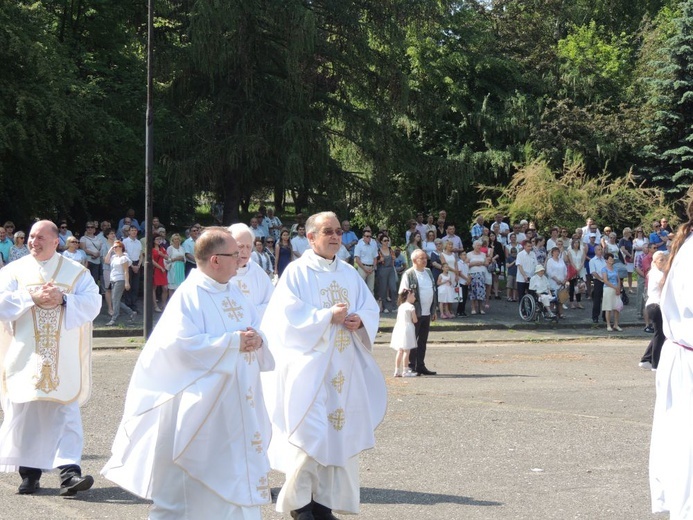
<point x="117" y="289"/>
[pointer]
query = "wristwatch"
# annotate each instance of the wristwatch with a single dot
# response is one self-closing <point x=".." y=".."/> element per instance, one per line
<point x="64" y="300"/>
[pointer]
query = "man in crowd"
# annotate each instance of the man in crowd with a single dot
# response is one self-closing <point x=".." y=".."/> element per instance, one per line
<point x="591" y="228"/>
<point x="45" y="356"/>
<point x="421" y="225"/>
<point x="526" y="263"/>
<point x="452" y="237"/>
<point x="596" y="265"/>
<point x="365" y="255"/>
<point x="659" y="236"/>
<point x="195" y="432"/>
<point x="189" y="248"/>
<point x="135" y="251"/>
<point x="300" y="244"/>
<point x="420" y="280"/>
<point x="273" y="223"/>
<point x="349" y="239"/>
<point x="327" y="394"/>
<point x="91" y="245"/>
<point x="477" y="230"/>
<point x="503" y="229"/>
<point x="250" y="278"/>
<point x="5" y="246"/>
<point x="257" y="230"/>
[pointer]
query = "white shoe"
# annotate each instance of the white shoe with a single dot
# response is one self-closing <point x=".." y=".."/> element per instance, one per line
<point x="645" y="365"/>
<point x="397" y="373"/>
<point x="409" y="373"/>
<point x="609" y="329"/>
<point x="565" y="306"/>
<point x="110" y="323"/>
<point x="386" y="311"/>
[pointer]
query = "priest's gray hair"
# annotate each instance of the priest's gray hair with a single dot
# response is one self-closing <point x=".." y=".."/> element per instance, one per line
<point x="312" y="222"/>
<point x="237" y="230"/>
<point x="212" y="240"/>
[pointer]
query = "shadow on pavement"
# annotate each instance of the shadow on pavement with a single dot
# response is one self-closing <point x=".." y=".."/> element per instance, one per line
<point x="396" y="496"/>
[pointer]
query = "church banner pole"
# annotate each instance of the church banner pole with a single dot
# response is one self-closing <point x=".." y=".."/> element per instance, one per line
<point x="149" y="163"/>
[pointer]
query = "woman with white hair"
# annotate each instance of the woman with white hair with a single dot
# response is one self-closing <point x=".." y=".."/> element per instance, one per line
<point x="478" y="262"/>
<point x="19" y="249"/>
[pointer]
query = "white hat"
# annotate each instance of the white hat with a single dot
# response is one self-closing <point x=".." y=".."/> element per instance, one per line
<point x="539" y="268"/>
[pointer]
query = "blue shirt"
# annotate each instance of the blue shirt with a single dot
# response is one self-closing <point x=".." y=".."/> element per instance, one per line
<point x="612" y="276"/>
<point x="657" y="238"/>
<point x="348" y="237"/>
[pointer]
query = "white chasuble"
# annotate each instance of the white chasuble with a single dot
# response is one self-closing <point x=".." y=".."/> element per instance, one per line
<point x="195" y="405"/>
<point x="46" y="353"/>
<point x="327" y="395"/>
<point x="255" y="285"/>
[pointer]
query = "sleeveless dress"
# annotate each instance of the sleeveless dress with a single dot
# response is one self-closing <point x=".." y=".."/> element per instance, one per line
<point x="176" y="273"/>
<point x="403" y="333"/>
<point x="284" y="259"/>
<point x="446" y="292"/>
<point x="160" y="277"/>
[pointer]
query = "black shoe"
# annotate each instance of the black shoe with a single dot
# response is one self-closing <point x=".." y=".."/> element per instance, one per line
<point x="463" y="314"/>
<point x="303" y="515"/>
<point x="321" y="512"/>
<point x="75" y="483"/>
<point x="426" y="372"/>
<point x="28" y="486"/>
<point x="595" y="320"/>
<point x="649" y="329"/>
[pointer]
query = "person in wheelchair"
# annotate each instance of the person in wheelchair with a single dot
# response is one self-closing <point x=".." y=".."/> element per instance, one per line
<point x="539" y="284"/>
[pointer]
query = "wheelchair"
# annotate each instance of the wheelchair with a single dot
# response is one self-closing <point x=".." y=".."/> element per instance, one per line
<point x="531" y="309"/>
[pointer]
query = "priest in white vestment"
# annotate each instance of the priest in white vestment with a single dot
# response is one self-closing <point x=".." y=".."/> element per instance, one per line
<point x="195" y="431"/>
<point x="47" y="304"/>
<point x="250" y="278"/>
<point x="327" y="395"/>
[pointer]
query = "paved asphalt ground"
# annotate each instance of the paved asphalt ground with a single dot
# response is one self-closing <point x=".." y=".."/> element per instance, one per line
<point x="519" y="424"/>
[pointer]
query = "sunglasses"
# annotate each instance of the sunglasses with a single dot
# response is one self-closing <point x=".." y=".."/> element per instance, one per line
<point x="330" y="232"/>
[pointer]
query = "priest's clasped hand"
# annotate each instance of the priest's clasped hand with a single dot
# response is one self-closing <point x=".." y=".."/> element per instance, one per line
<point x="339" y="313"/>
<point x="352" y="322"/>
<point x="250" y="340"/>
<point x="48" y="296"/>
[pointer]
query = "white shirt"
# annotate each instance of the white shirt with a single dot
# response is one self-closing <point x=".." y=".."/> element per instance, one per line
<point x="367" y="253"/>
<point x="654" y="285"/>
<point x="528" y="261"/>
<point x="300" y="245"/>
<point x="133" y="248"/>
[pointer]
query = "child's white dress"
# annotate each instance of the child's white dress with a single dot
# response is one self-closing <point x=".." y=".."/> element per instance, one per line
<point x="403" y="334"/>
<point x="446" y="291"/>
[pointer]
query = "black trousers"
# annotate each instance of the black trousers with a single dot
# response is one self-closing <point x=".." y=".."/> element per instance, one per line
<point x="522" y="288"/>
<point x="597" y="294"/>
<point x="654" y="349"/>
<point x="130" y="297"/>
<point x="418" y="354"/>
<point x="462" y="304"/>
<point x="66" y="472"/>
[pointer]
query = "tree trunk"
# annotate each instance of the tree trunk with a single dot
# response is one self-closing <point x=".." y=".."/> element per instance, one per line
<point x="278" y="199"/>
<point x="232" y="198"/>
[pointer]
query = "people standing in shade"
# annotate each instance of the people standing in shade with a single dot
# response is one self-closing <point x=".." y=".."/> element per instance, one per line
<point x="63" y="235"/>
<point x="365" y="256"/>
<point x="74" y="253"/>
<point x="349" y="239"/>
<point x="283" y="253"/>
<point x="160" y="282"/>
<point x="597" y="265"/>
<point x="299" y="243"/>
<point x="91" y="245"/>
<point x="403" y="339"/>
<point x="386" y="275"/>
<point x="189" y="248"/>
<point x="261" y="257"/>
<point x="120" y="280"/>
<point x="327" y="394"/>
<point x="19" y="249"/>
<point x="671" y="464"/>
<point x="176" y="263"/>
<point x="134" y="250"/>
<point x="194" y="433"/>
<point x="46" y="370"/>
<point x="420" y="280"/>
<point x="5" y="245"/>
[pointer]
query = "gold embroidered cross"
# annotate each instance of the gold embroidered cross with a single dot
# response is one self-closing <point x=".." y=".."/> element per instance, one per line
<point x="249" y="357"/>
<point x="337" y="419"/>
<point x="263" y="488"/>
<point x="257" y="442"/>
<point x="232" y="309"/>
<point x="338" y="382"/>
<point x="250" y="397"/>
<point x="343" y="339"/>
<point x="243" y="287"/>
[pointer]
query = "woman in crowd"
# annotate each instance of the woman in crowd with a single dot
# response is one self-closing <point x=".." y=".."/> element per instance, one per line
<point x="436" y="261"/>
<point x="429" y="244"/>
<point x="176" y="261"/>
<point x="589" y="255"/>
<point x="639" y="244"/>
<point x="120" y="281"/>
<point x="19" y="249"/>
<point x="539" y="248"/>
<point x="612" y="292"/>
<point x="74" y="253"/>
<point x="613" y="248"/>
<point x="410" y="231"/>
<point x="671" y="463"/>
<point x="413" y="244"/>
<point x="576" y="259"/>
<point x="557" y="273"/>
<point x="448" y="257"/>
<point x="654" y="294"/>
<point x="512" y="243"/>
<point x="625" y="246"/>
<point x="261" y="257"/>
<point x="106" y="245"/>
<point x="478" y="262"/>
<point x="283" y="252"/>
<point x="604" y="240"/>
<point x="497" y="254"/>
<point x="386" y="275"/>
<point x="159" y="258"/>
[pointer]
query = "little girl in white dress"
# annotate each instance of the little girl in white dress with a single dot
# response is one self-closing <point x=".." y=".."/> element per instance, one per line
<point x="403" y="335"/>
<point x="446" y="291"/>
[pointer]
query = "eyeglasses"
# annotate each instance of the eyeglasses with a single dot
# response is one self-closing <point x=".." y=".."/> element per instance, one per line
<point x="232" y="255"/>
<point x="386" y="240"/>
<point x="366" y="236"/>
<point x="328" y="232"/>
<point x="657" y="225"/>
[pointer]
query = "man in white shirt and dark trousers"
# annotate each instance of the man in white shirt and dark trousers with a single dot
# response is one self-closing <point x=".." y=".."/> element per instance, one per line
<point x="596" y="265"/>
<point x="365" y="255"/>
<point x="133" y="248"/>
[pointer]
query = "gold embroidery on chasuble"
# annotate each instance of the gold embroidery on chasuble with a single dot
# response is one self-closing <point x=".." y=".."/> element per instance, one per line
<point x="334" y="294"/>
<point x="243" y="287"/>
<point x="250" y="397"/>
<point x="249" y="357"/>
<point x="338" y="382"/>
<point x="47" y="323"/>
<point x="257" y="442"/>
<point x="343" y="339"/>
<point x="263" y="487"/>
<point x="232" y="309"/>
<point x="337" y="419"/>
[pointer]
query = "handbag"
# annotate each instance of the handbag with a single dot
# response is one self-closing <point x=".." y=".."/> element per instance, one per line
<point x="572" y="272"/>
<point x="492" y="267"/>
<point x="581" y="287"/>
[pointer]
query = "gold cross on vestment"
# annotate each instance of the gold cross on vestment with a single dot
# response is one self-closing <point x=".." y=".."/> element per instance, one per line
<point x="338" y="382"/>
<point x="334" y="294"/>
<point x="250" y="397"/>
<point x="343" y="339"/>
<point x="232" y="309"/>
<point x="243" y="287"/>
<point x="257" y="442"/>
<point x="263" y="487"/>
<point x="337" y="419"/>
